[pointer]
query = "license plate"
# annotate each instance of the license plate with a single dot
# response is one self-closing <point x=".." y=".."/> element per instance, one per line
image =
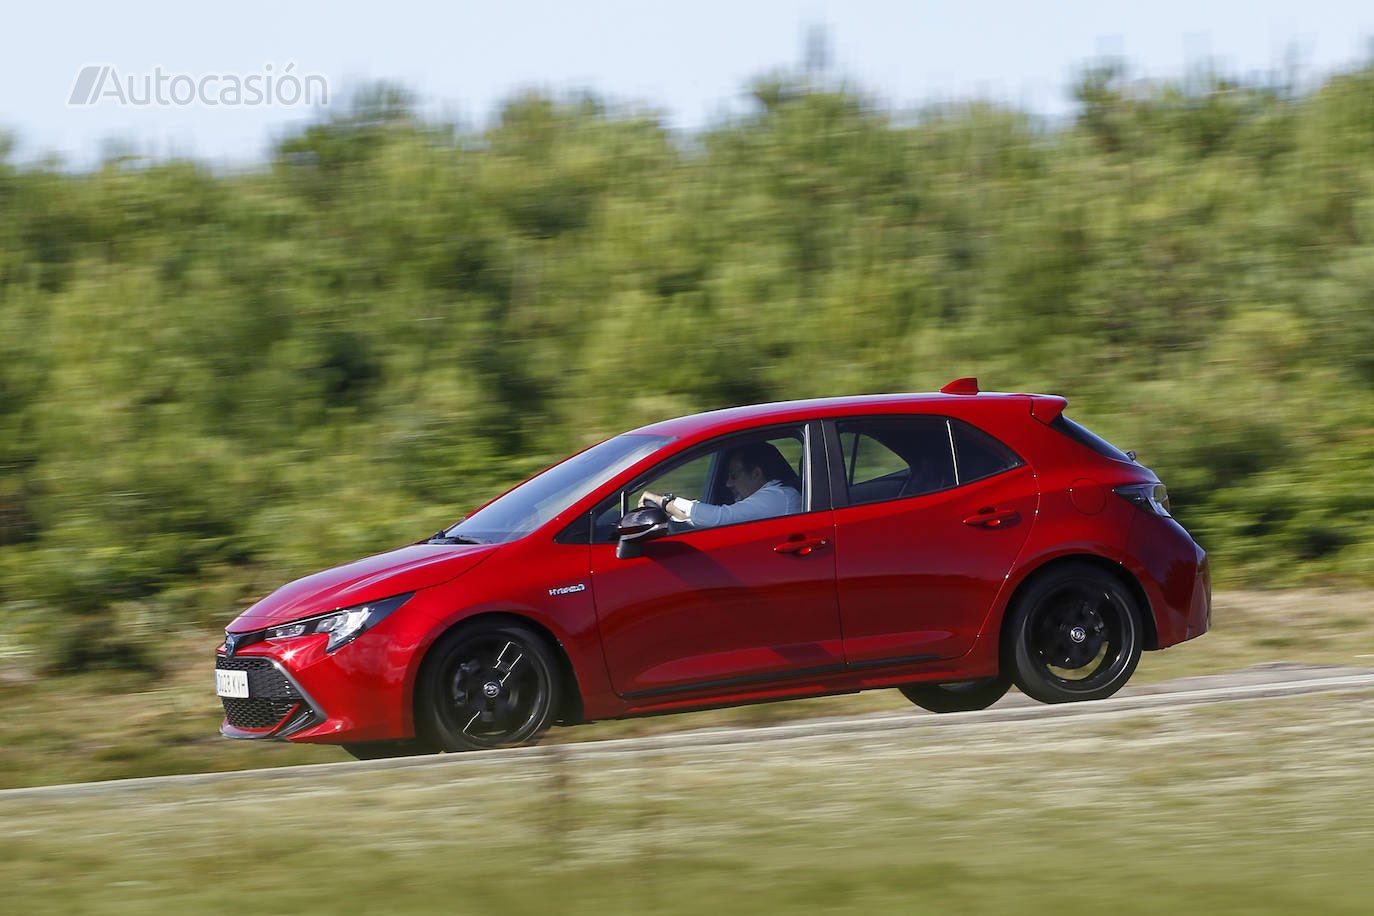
<point x="231" y="683"/>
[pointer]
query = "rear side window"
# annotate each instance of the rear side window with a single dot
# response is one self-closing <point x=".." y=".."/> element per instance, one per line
<point x="897" y="457"/>
<point x="1084" y="436"/>
<point x="867" y="459"/>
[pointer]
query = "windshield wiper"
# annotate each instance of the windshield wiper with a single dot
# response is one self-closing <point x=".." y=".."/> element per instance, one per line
<point x="441" y="538"/>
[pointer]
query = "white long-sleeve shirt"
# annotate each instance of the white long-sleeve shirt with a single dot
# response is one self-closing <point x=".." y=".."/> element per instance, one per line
<point x="768" y="501"/>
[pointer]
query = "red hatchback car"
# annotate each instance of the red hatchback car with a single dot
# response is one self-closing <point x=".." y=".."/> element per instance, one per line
<point x="947" y="544"/>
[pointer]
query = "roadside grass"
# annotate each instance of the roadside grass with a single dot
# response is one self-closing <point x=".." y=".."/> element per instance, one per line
<point x="1243" y="807"/>
<point x="112" y="725"/>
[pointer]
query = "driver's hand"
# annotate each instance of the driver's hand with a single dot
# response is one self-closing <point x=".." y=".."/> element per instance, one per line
<point x="650" y="499"/>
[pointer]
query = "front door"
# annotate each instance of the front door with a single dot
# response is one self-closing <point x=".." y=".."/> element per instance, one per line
<point x="714" y="609"/>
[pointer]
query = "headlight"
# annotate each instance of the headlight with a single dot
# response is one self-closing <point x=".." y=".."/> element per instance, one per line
<point x="343" y="626"/>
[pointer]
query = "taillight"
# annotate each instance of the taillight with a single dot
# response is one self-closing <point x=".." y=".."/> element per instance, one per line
<point x="1152" y="497"/>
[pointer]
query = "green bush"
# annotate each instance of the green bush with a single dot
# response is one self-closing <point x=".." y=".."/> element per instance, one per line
<point x="212" y="382"/>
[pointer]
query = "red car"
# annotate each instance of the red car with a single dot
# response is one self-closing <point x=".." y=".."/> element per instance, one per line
<point x="946" y="544"/>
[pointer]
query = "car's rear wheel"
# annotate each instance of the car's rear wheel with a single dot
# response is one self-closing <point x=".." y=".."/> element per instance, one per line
<point x="1074" y="635"/>
<point x="487" y="685"/>
<point x="964" y="696"/>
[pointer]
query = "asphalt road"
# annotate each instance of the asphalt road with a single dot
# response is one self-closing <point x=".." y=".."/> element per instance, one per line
<point x="1251" y="684"/>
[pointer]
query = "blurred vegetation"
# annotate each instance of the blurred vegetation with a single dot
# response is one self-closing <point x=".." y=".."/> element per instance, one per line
<point x="1235" y="809"/>
<point x="211" y="383"/>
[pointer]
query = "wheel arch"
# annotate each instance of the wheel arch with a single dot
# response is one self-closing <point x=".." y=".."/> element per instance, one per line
<point x="570" y="713"/>
<point x="1106" y="565"/>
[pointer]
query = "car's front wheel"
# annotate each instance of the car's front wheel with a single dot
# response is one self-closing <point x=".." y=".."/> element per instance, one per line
<point x="487" y="685"/>
<point x="1074" y="635"/>
<point x="965" y="696"/>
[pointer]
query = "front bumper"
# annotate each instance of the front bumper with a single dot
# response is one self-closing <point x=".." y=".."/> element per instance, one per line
<point x="299" y="692"/>
<point x="276" y="705"/>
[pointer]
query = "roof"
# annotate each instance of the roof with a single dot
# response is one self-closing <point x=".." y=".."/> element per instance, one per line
<point x="789" y="411"/>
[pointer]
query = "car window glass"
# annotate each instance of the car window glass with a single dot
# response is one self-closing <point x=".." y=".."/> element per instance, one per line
<point x="543" y="496"/>
<point x="980" y="455"/>
<point x="703" y="475"/>
<point x="868" y="459"/>
<point x="688" y="481"/>
<point x="792" y="448"/>
<point x="888" y="458"/>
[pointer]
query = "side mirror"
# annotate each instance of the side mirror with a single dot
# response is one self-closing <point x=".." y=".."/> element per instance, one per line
<point x="636" y="528"/>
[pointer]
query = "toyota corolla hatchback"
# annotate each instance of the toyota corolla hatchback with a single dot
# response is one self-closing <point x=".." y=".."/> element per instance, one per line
<point x="946" y="544"/>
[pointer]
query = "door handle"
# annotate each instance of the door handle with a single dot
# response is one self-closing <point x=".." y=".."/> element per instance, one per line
<point x="802" y="547"/>
<point x="993" y="518"/>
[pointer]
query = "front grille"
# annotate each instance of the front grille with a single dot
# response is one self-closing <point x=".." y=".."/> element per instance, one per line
<point x="271" y="695"/>
<point x="256" y="712"/>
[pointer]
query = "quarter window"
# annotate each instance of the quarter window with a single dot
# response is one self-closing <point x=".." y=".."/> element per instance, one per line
<point x="978" y="455"/>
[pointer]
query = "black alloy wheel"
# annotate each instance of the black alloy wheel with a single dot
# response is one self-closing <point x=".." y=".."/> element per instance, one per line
<point x="486" y="686"/>
<point x="1074" y="635"/>
<point x="963" y="696"/>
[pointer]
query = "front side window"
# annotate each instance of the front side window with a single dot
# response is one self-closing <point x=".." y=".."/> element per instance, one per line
<point x="898" y="457"/>
<point x="731" y="481"/>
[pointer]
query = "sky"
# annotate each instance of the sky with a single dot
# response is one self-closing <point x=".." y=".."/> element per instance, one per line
<point x="82" y="80"/>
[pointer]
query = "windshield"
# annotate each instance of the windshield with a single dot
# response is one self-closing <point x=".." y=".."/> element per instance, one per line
<point x="542" y="497"/>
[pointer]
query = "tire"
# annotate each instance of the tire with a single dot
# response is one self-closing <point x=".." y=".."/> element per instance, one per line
<point x="964" y="696"/>
<point x="485" y="686"/>
<point x="1074" y="635"/>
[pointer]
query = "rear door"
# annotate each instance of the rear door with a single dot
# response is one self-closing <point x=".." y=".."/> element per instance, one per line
<point x="930" y="516"/>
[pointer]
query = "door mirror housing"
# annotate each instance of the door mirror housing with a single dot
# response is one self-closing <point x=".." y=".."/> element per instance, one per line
<point x="638" y="527"/>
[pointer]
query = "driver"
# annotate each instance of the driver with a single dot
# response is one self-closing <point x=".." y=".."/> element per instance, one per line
<point x="763" y="483"/>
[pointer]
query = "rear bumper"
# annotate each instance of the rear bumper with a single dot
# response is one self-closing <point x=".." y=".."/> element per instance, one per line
<point x="1175" y="576"/>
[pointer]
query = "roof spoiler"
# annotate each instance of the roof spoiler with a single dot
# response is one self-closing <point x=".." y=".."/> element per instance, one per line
<point x="1047" y="407"/>
<point x="1044" y="407"/>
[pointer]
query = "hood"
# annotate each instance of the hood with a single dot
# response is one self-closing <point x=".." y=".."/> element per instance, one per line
<point x="407" y="569"/>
